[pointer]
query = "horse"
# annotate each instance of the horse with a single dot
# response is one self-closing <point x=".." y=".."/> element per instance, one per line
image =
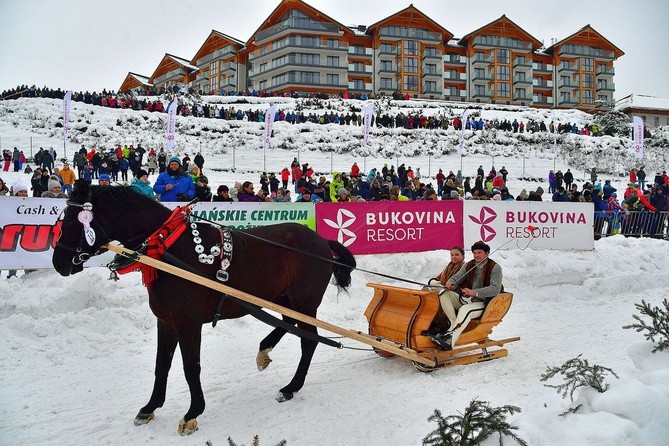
<point x="302" y="265"/>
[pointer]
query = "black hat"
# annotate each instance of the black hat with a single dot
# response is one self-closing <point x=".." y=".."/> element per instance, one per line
<point x="203" y="179"/>
<point x="141" y="173"/>
<point x="480" y="245"/>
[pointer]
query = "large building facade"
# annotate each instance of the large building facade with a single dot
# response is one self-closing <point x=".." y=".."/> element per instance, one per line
<point x="298" y="49"/>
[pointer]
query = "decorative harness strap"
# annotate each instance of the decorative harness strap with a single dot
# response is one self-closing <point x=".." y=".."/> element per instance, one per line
<point x="165" y="236"/>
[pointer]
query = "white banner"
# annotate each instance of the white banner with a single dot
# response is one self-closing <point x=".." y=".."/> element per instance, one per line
<point x="461" y="147"/>
<point x="638" y="137"/>
<point x="367" y="122"/>
<point x="67" y="106"/>
<point x="556" y="151"/>
<point x="538" y="225"/>
<point x="171" y="125"/>
<point x="269" y="122"/>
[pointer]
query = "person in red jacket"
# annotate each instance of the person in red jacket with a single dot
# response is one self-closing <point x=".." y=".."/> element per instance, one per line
<point x="498" y="182"/>
<point x="355" y="170"/>
<point x="285" y="176"/>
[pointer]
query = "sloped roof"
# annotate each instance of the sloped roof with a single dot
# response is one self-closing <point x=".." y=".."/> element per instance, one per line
<point x="299" y="4"/>
<point x="588" y="29"/>
<point x="213" y="32"/>
<point x="181" y="61"/>
<point x="141" y="79"/>
<point x="412" y="9"/>
<point x="535" y="42"/>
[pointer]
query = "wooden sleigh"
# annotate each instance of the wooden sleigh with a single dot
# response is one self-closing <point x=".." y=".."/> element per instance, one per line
<point x="399" y="315"/>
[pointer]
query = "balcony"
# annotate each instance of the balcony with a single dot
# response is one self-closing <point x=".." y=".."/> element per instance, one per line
<point x="455" y="60"/>
<point x="544" y="100"/>
<point x="482" y="76"/>
<point x="606" y="86"/>
<point x="388" y="69"/>
<point x="358" y="51"/>
<point x="431" y="73"/>
<point x="581" y="50"/>
<point x="365" y="69"/>
<point x="569" y="101"/>
<point x="519" y="62"/>
<point x="436" y="56"/>
<point x="605" y="71"/>
<point x="297" y="23"/>
<point x="542" y="83"/>
<point x="390" y="87"/>
<point x="567" y="67"/>
<point x="502" y="42"/>
<point x="215" y="55"/>
<point x="542" y="67"/>
<point x="228" y="66"/>
<point x="455" y="77"/>
<point x="482" y="61"/>
<point x="291" y="46"/>
<point x="518" y="80"/>
<point x="408" y="32"/>
<point x="569" y="83"/>
<point x="482" y="94"/>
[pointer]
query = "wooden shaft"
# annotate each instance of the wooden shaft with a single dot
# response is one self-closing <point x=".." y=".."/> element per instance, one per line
<point x="364" y="338"/>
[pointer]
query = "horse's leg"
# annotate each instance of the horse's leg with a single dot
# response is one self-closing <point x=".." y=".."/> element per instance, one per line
<point x="167" y="343"/>
<point x="267" y="344"/>
<point x="308" y="349"/>
<point x="190" y="340"/>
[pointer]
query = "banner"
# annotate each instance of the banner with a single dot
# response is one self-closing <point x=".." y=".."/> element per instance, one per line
<point x="367" y="122"/>
<point x="171" y="125"/>
<point x="269" y="122"/>
<point x="390" y="226"/>
<point x="67" y="107"/>
<point x="638" y="137"/>
<point x="556" y="151"/>
<point x="522" y="224"/>
<point x="28" y="230"/>
<point x="461" y="147"/>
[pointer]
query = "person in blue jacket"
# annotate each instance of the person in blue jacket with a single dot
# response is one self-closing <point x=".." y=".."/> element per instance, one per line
<point x="174" y="184"/>
<point x="141" y="184"/>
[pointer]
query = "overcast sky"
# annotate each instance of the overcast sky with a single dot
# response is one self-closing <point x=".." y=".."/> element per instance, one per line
<point x="93" y="44"/>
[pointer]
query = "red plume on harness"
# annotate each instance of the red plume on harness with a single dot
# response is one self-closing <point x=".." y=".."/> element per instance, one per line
<point x="159" y="242"/>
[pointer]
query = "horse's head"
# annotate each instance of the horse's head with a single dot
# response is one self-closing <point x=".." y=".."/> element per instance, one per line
<point x="81" y="235"/>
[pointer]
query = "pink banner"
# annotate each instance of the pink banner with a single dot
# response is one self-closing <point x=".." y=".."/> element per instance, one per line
<point x="391" y="226"/>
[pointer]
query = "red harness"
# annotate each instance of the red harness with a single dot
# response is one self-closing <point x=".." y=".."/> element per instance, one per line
<point x="159" y="242"/>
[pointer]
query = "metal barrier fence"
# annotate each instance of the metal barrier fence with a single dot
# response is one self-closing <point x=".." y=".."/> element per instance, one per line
<point x="634" y="224"/>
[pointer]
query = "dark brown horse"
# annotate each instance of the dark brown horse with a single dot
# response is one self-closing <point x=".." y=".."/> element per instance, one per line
<point x="281" y="263"/>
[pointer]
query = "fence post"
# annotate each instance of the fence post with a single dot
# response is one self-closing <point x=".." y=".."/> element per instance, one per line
<point x="31" y="146"/>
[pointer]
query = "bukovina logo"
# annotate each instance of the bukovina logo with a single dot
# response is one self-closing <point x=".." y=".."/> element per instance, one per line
<point x="486" y="215"/>
<point x="345" y="218"/>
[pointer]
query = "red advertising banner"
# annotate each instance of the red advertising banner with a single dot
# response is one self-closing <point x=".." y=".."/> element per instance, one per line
<point x="391" y="226"/>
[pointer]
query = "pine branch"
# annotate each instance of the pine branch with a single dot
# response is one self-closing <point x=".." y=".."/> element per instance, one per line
<point x="659" y="324"/>
<point x="476" y="424"/>
<point x="577" y="373"/>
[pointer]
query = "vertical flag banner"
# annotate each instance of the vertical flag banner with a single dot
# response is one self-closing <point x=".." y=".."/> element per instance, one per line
<point x="465" y="114"/>
<point x="556" y="151"/>
<point x="171" y="125"/>
<point x="67" y="106"/>
<point x="269" y="122"/>
<point x="367" y="122"/>
<point x="638" y="137"/>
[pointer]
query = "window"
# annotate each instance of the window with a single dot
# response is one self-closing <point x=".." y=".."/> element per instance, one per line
<point x="588" y="97"/>
<point x="410" y="48"/>
<point x="411" y="65"/>
<point x="410" y="82"/>
<point x="604" y="99"/>
<point x="263" y="85"/>
<point x="502" y="56"/>
<point x="587" y="63"/>
<point x="358" y="66"/>
<point x="358" y="84"/>
<point x="430" y="87"/>
<point x="538" y="97"/>
<point x="520" y="76"/>
<point x="588" y="80"/>
<point x="520" y="60"/>
<point x="503" y="73"/>
<point x="656" y="121"/>
<point x="333" y="61"/>
<point x="213" y="82"/>
<point x="479" y="73"/>
<point x="386" y="83"/>
<point x="430" y="52"/>
<point x="451" y="91"/>
<point x="307" y="77"/>
<point x="564" y="81"/>
<point x="386" y="65"/>
<point x="565" y="97"/>
<point x="479" y="55"/>
<point x="213" y="69"/>
<point x="332" y="79"/>
<point x="479" y="90"/>
<point x="358" y="49"/>
<point x="520" y="93"/>
<point x="386" y="48"/>
<point x="503" y="90"/>
<point x="309" y="41"/>
<point x="263" y="67"/>
<point x="431" y="69"/>
<point x="450" y="74"/>
<point x="602" y="84"/>
<point x="333" y="43"/>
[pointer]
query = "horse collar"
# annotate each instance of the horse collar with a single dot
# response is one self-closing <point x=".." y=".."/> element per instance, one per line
<point x="215" y="251"/>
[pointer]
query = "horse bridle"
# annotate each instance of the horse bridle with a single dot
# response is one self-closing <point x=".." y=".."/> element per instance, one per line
<point x="81" y="255"/>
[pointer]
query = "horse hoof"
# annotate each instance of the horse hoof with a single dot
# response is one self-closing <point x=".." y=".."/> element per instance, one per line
<point x="143" y="418"/>
<point x="263" y="359"/>
<point x="282" y="397"/>
<point x="187" y="427"/>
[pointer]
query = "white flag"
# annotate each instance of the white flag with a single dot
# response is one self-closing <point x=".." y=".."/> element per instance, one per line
<point x="556" y="151"/>
<point x="461" y="147"/>
<point x="67" y="106"/>
<point x="638" y="137"/>
<point x="367" y="122"/>
<point x="269" y="122"/>
<point x="171" y="125"/>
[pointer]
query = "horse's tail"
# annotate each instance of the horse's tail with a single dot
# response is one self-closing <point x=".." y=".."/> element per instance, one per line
<point x="341" y="254"/>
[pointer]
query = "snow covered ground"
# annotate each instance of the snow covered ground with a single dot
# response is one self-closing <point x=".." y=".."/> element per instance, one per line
<point x="77" y="353"/>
